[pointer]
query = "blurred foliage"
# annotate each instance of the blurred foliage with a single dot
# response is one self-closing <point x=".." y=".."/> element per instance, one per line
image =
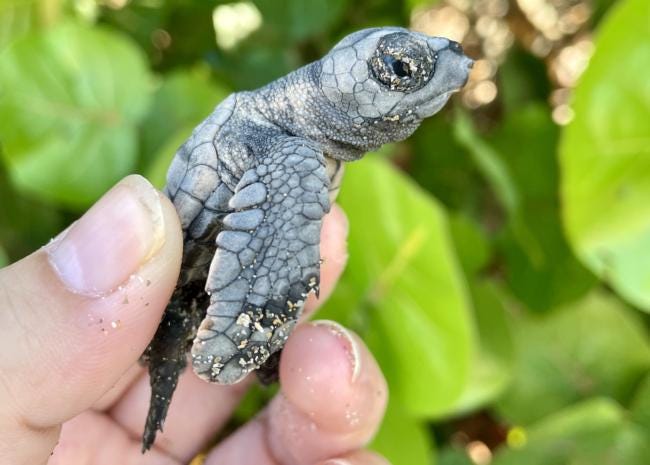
<point x="561" y="358"/>
<point x="462" y="275"/>
<point x="596" y="430"/>
<point x="66" y="111"/>
<point x="605" y="156"/>
<point x="392" y="274"/>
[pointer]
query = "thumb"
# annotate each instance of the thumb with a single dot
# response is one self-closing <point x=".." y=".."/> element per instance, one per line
<point x="75" y="315"/>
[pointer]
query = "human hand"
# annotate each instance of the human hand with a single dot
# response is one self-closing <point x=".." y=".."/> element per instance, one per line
<point x="76" y="315"/>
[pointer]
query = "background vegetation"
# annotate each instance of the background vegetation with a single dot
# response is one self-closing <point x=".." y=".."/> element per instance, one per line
<point x="499" y="259"/>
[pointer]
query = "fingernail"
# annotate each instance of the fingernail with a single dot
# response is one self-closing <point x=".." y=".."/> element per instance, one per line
<point x="112" y="240"/>
<point x="337" y="462"/>
<point x="350" y="342"/>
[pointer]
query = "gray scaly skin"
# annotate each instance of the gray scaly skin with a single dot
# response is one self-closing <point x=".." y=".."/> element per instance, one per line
<point x="257" y="177"/>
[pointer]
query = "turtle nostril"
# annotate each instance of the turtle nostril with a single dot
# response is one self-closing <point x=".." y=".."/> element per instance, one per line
<point x="456" y="47"/>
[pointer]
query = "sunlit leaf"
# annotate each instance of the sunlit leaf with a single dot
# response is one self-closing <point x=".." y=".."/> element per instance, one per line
<point x="595" y="347"/>
<point x="18" y="17"/>
<point x="70" y="97"/>
<point x="406" y="282"/>
<point x="605" y="156"/>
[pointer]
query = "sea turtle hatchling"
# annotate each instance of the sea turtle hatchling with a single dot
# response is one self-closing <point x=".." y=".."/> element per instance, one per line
<point x="256" y="177"/>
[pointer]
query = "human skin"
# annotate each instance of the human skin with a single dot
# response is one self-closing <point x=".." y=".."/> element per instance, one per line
<point x="76" y="315"/>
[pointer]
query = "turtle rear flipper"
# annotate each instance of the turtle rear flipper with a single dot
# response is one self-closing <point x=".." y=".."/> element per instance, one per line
<point x="166" y="355"/>
<point x="269" y="372"/>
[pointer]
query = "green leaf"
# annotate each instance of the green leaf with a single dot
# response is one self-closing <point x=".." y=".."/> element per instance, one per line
<point x="70" y="97"/>
<point x="526" y="143"/>
<point x="540" y="268"/>
<point x="488" y="162"/>
<point x="403" y="283"/>
<point x="641" y="404"/>
<point x="471" y="244"/>
<point x="539" y="265"/>
<point x="156" y="173"/>
<point x="404" y="440"/>
<point x="522" y="80"/>
<point x="4" y="259"/>
<point x="296" y="19"/>
<point x="453" y="455"/>
<point x="595" y="347"/>
<point x="26" y="224"/>
<point x="590" y="415"/>
<point x="494" y="356"/>
<point x="183" y="100"/>
<point x="18" y="17"/>
<point x="410" y="5"/>
<point x="444" y="167"/>
<point x="605" y="156"/>
<point x="518" y="162"/>
<point x="595" y="431"/>
<point x="255" y="64"/>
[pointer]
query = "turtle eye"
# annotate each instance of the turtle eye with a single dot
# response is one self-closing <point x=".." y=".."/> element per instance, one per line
<point x="402" y="63"/>
<point x="399" y="67"/>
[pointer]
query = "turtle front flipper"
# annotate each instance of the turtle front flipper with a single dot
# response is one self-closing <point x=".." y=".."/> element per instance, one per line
<point x="267" y="261"/>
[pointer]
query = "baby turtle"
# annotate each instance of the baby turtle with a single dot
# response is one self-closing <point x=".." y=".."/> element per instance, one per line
<point x="251" y="186"/>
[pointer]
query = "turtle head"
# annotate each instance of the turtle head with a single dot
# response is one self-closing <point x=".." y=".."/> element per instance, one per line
<point x="387" y="80"/>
